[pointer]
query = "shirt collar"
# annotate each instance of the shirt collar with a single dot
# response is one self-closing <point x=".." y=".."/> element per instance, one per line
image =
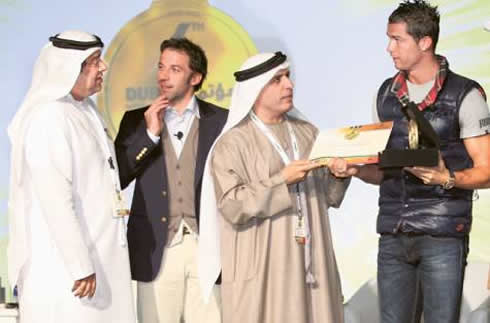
<point x="191" y="108"/>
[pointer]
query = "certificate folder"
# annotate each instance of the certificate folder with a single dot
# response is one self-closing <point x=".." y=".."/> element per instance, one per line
<point x="356" y="144"/>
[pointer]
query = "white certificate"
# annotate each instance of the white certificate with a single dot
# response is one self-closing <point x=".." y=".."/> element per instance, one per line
<point x="356" y="144"/>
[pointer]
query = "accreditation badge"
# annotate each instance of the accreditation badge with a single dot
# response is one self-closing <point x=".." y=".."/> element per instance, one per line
<point x="121" y="205"/>
<point x="300" y="232"/>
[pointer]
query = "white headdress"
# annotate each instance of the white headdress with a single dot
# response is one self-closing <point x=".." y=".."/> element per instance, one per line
<point x="55" y="73"/>
<point x="252" y="77"/>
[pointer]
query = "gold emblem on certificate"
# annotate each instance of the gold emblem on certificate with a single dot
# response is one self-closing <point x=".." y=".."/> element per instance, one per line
<point x="352" y="132"/>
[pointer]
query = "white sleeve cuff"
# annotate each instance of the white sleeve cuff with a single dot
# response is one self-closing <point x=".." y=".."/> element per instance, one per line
<point x="153" y="138"/>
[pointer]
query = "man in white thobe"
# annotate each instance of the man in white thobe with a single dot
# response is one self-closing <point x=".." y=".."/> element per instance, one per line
<point x="67" y="251"/>
<point x="270" y="208"/>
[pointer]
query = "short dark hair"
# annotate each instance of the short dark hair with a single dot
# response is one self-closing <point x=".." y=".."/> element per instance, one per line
<point x="197" y="58"/>
<point x="421" y="18"/>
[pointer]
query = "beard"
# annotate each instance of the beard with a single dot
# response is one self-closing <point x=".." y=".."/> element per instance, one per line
<point x="178" y="93"/>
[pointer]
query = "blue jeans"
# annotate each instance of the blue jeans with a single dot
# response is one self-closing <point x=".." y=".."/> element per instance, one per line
<point x="412" y="264"/>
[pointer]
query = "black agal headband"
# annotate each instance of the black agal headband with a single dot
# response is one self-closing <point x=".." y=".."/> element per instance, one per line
<point x="266" y="66"/>
<point x="75" y="44"/>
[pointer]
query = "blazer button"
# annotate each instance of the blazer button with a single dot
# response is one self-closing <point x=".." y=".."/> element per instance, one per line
<point x="164" y="193"/>
<point x="164" y="219"/>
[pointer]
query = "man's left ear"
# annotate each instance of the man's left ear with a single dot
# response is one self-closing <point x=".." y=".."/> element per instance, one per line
<point x="425" y="43"/>
<point x="196" y="78"/>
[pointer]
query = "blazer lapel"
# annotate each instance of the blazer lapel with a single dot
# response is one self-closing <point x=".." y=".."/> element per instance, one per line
<point x="207" y="135"/>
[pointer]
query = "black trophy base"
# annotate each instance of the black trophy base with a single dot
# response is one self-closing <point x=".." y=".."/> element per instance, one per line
<point x="394" y="158"/>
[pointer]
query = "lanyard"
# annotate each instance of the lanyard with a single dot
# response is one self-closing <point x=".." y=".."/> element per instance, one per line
<point x="301" y="227"/>
<point x="300" y="230"/>
<point x="272" y="139"/>
<point x="121" y="209"/>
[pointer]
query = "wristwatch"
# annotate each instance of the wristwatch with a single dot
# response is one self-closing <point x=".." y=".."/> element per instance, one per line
<point x="450" y="181"/>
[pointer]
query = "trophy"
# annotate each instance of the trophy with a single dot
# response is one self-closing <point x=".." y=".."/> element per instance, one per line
<point x="423" y="143"/>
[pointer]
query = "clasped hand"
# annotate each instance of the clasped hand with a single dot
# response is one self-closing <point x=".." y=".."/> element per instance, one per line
<point x="436" y="175"/>
<point x="85" y="287"/>
<point x="340" y="168"/>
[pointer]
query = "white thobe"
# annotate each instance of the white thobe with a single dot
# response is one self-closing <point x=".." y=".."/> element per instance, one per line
<point x="71" y="231"/>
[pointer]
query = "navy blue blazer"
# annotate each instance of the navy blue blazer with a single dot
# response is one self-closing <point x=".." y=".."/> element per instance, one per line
<point x="141" y="159"/>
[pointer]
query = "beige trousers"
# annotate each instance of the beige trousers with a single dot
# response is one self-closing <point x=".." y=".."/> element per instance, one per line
<point x="175" y="296"/>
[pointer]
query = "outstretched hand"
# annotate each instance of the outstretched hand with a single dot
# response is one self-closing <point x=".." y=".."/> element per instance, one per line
<point x="297" y="170"/>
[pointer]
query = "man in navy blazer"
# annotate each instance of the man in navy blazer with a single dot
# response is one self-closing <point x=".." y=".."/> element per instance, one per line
<point x="164" y="147"/>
